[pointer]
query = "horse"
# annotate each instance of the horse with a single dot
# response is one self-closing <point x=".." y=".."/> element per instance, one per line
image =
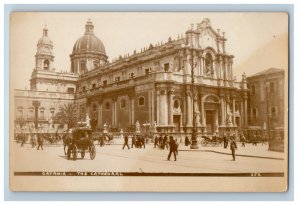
<point x="67" y="141"/>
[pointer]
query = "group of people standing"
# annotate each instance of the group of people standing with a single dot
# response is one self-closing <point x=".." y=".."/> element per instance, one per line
<point x="36" y="139"/>
<point x="137" y="141"/>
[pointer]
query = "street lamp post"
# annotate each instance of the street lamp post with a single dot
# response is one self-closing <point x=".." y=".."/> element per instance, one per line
<point x="194" y="144"/>
<point x="36" y="104"/>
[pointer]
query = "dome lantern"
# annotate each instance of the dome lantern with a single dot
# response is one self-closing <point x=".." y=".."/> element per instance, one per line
<point x="89" y="28"/>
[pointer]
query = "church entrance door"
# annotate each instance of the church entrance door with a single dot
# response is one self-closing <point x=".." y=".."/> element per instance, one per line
<point x="210" y="121"/>
<point x="176" y="122"/>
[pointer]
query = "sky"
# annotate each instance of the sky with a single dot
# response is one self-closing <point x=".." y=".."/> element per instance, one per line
<point x="257" y="40"/>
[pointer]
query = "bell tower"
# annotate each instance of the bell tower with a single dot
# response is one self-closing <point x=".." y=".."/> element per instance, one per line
<point x="44" y="55"/>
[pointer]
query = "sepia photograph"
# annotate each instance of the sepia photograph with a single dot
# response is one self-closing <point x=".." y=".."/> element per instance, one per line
<point x="148" y="101"/>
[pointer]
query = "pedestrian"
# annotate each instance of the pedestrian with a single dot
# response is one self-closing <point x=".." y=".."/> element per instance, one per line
<point x="165" y="142"/>
<point x="155" y="141"/>
<point x="40" y="141"/>
<point x="233" y="147"/>
<point x="243" y="140"/>
<point x="177" y="145"/>
<point x="187" y="141"/>
<point x="101" y="140"/>
<point x="23" y="139"/>
<point x="126" y="142"/>
<point x="133" y="141"/>
<point x="254" y="140"/>
<point x="172" y="144"/>
<point x="160" y="139"/>
<point x="143" y="141"/>
<point x="33" y="140"/>
<point x="225" y="141"/>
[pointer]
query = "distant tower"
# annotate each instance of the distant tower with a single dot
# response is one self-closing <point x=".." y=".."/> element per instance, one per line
<point x="44" y="55"/>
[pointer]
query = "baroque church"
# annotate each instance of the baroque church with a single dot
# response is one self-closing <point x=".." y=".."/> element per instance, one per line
<point x="160" y="86"/>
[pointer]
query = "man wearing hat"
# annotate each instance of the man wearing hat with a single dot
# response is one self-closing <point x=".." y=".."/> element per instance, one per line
<point x="233" y="147"/>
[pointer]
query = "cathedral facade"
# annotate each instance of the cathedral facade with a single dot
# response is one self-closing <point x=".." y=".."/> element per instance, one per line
<point x="160" y="86"/>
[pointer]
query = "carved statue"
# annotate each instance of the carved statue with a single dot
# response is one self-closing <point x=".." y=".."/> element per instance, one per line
<point x="229" y="117"/>
<point x="105" y="128"/>
<point x="154" y="126"/>
<point x="87" y="120"/>
<point x="137" y="127"/>
<point x="197" y="115"/>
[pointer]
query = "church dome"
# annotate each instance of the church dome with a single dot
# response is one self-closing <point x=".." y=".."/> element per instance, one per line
<point x="89" y="42"/>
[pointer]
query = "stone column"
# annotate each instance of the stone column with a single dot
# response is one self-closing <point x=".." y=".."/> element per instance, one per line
<point x="222" y="110"/>
<point x="131" y="114"/>
<point x="100" y="105"/>
<point x="216" y="121"/>
<point x="200" y="108"/>
<point x="114" y="111"/>
<point x="158" y="107"/>
<point x="197" y="111"/>
<point x="246" y="109"/>
<point x="233" y="111"/>
<point x="189" y="108"/>
<point x="164" y="107"/>
<point x="171" y="96"/>
<point x="203" y="112"/>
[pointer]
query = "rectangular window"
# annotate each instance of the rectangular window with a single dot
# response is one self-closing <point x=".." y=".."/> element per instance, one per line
<point x="166" y="67"/>
<point x="52" y="113"/>
<point x="254" y="113"/>
<point x="272" y="87"/>
<point x="117" y="79"/>
<point x="42" y="114"/>
<point x="94" y="85"/>
<point x="252" y="89"/>
<point x="273" y="111"/>
<point x="147" y="71"/>
<point x="131" y="75"/>
<point x="83" y="89"/>
<point x="104" y="83"/>
<point x="70" y="90"/>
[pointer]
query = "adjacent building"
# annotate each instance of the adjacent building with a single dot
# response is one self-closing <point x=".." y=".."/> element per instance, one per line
<point x="48" y="91"/>
<point x="267" y="104"/>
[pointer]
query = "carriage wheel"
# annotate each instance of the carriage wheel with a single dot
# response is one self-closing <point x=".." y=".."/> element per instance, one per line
<point x="92" y="151"/>
<point x="203" y="143"/>
<point x="82" y="154"/>
<point x="74" y="152"/>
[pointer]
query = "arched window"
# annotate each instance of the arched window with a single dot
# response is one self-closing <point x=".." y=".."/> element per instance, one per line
<point x="82" y="67"/>
<point x="141" y="101"/>
<point x="46" y="65"/>
<point x="42" y="113"/>
<point x="176" y="104"/>
<point x="94" y="107"/>
<point x="123" y="103"/>
<point x="209" y="65"/>
<point x="52" y="112"/>
<point x="107" y="106"/>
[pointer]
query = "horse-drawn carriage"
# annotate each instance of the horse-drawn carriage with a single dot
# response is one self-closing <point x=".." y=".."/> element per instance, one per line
<point x="212" y="140"/>
<point x="81" y="142"/>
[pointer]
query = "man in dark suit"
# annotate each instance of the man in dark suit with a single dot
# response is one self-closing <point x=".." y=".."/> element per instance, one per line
<point x="133" y="141"/>
<point x="155" y="141"/>
<point x="126" y="142"/>
<point x="173" y="148"/>
<point x="40" y="141"/>
<point x="233" y="147"/>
